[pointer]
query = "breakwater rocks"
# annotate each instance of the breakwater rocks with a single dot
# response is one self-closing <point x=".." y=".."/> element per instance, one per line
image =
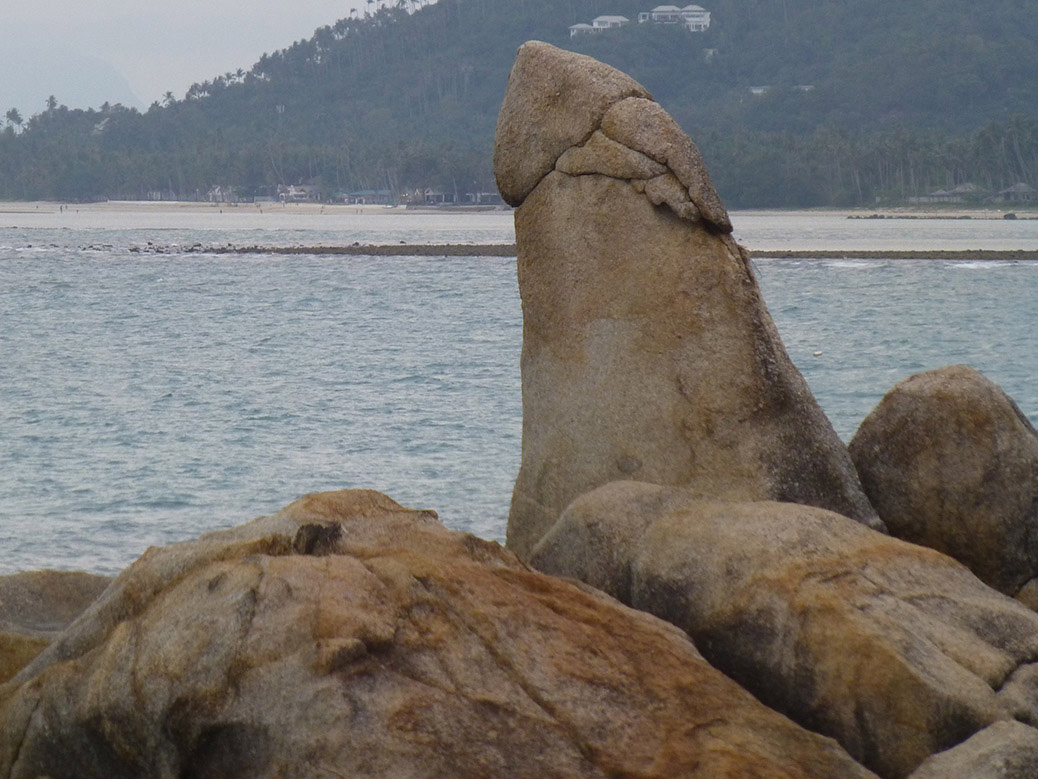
<point x="509" y="250"/>
<point x="698" y="584"/>
<point x="349" y="636"/>
<point x="353" y="250"/>
<point x="1010" y="255"/>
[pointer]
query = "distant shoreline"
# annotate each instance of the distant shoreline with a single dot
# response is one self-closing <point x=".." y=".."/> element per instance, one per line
<point x="1023" y="211"/>
<point x="509" y="250"/>
<point x="194" y="207"/>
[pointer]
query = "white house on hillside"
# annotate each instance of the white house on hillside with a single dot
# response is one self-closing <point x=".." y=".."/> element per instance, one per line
<point x="606" y="22"/>
<point x="694" y="17"/>
<point x="598" y="24"/>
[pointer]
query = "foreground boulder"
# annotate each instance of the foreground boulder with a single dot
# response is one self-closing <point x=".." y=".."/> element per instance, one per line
<point x="950" y="462"/>
<point x="348" y="636"/>
<point x="37" y="605"/>
<point x="648" y="352"/>
<point x="894" y="650"/>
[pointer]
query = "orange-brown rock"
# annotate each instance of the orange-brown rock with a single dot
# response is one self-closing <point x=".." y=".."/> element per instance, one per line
<point x="895" y="650"/>
<point x="348" y="636"/>
<point x="648" y="352"/>
<point x="950" y="462"/>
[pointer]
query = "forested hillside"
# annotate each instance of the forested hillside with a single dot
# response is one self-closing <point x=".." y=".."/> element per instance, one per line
<point x="792" y="102"/>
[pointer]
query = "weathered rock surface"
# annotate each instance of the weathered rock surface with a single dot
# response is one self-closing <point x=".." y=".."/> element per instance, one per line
<point x="648" y="352"/>
<point x="895" y="650"/>
<point x="348" y="636"/>
<point x="37" y="605"/>
<point x="1005" y="750"/>
<point x="643" y="125"/>
<point x="950" y="462"/>
<point x="554" y="100"/>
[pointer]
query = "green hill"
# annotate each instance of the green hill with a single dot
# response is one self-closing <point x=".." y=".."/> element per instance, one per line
<point x="793" y="103"/>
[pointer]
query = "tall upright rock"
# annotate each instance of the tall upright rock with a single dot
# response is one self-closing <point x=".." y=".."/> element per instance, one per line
<point x="648" y="352"/>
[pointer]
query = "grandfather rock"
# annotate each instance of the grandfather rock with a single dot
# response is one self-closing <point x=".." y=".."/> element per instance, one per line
<point x="37" y="605"/>
<point x="648" y="352"/>
<point x="348" y="636"/>
<point x="950" y="462"/>
<point x="1005" y="750"/>
<point x="895" y="650"/>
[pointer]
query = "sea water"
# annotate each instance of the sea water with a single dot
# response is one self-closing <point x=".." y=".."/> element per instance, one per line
<point x="147" y="397"/>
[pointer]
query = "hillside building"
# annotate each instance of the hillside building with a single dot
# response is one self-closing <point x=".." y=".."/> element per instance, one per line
<point x="1018" y="193"/>
<point x="694" y="18"/>
<point x="598" y="24"/>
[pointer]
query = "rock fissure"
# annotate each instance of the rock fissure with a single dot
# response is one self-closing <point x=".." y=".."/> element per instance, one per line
<point x="251" y="600"/>
<point x="542" y="703"/>
<point x="136" y="684"/>
<point x="1007" y="678"/>
<point x="20" y="742"/>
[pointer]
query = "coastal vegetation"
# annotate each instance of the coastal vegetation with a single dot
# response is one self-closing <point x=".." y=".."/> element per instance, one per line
<point x="815" y="103"/>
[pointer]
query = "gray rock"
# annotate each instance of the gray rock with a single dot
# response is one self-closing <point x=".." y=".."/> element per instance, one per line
<point x="643" y="125"/>
<point x="609" y="158"/>
<point x="349" y="636"/>
<point x="950" y="462"/>
<point x="648" y="352"/>
<point x="667" y="189"/>
<point x="1005" y="750"/>
<point x="894" y="650"/>
<point x="554" y="100"/>
<point x="43" y="603"/>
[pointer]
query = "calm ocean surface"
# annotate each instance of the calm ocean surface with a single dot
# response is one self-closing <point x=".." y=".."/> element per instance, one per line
<point x="148" y="397"/>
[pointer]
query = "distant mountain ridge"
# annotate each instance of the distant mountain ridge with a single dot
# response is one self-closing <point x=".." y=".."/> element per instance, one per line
<point x="817" y="102"/>
<point x="29" y="72"/>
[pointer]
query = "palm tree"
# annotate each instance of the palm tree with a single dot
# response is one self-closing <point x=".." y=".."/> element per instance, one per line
<point x="14" y="117"/>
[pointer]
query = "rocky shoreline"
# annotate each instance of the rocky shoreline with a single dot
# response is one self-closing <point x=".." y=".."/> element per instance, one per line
<point x="700" y="579"/>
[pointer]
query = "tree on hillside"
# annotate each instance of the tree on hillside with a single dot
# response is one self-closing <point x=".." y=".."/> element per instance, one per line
<point x="884" y="99"/>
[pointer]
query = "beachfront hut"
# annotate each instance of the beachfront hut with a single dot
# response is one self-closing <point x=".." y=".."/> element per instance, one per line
<point x="1018" y="193"/>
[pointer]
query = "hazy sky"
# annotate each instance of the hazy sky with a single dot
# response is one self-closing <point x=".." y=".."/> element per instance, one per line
<point x="85" y="52"/>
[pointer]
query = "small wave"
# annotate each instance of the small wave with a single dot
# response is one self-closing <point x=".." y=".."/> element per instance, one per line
<point x="851" y="263"/>
<point x="983" y="264"/>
